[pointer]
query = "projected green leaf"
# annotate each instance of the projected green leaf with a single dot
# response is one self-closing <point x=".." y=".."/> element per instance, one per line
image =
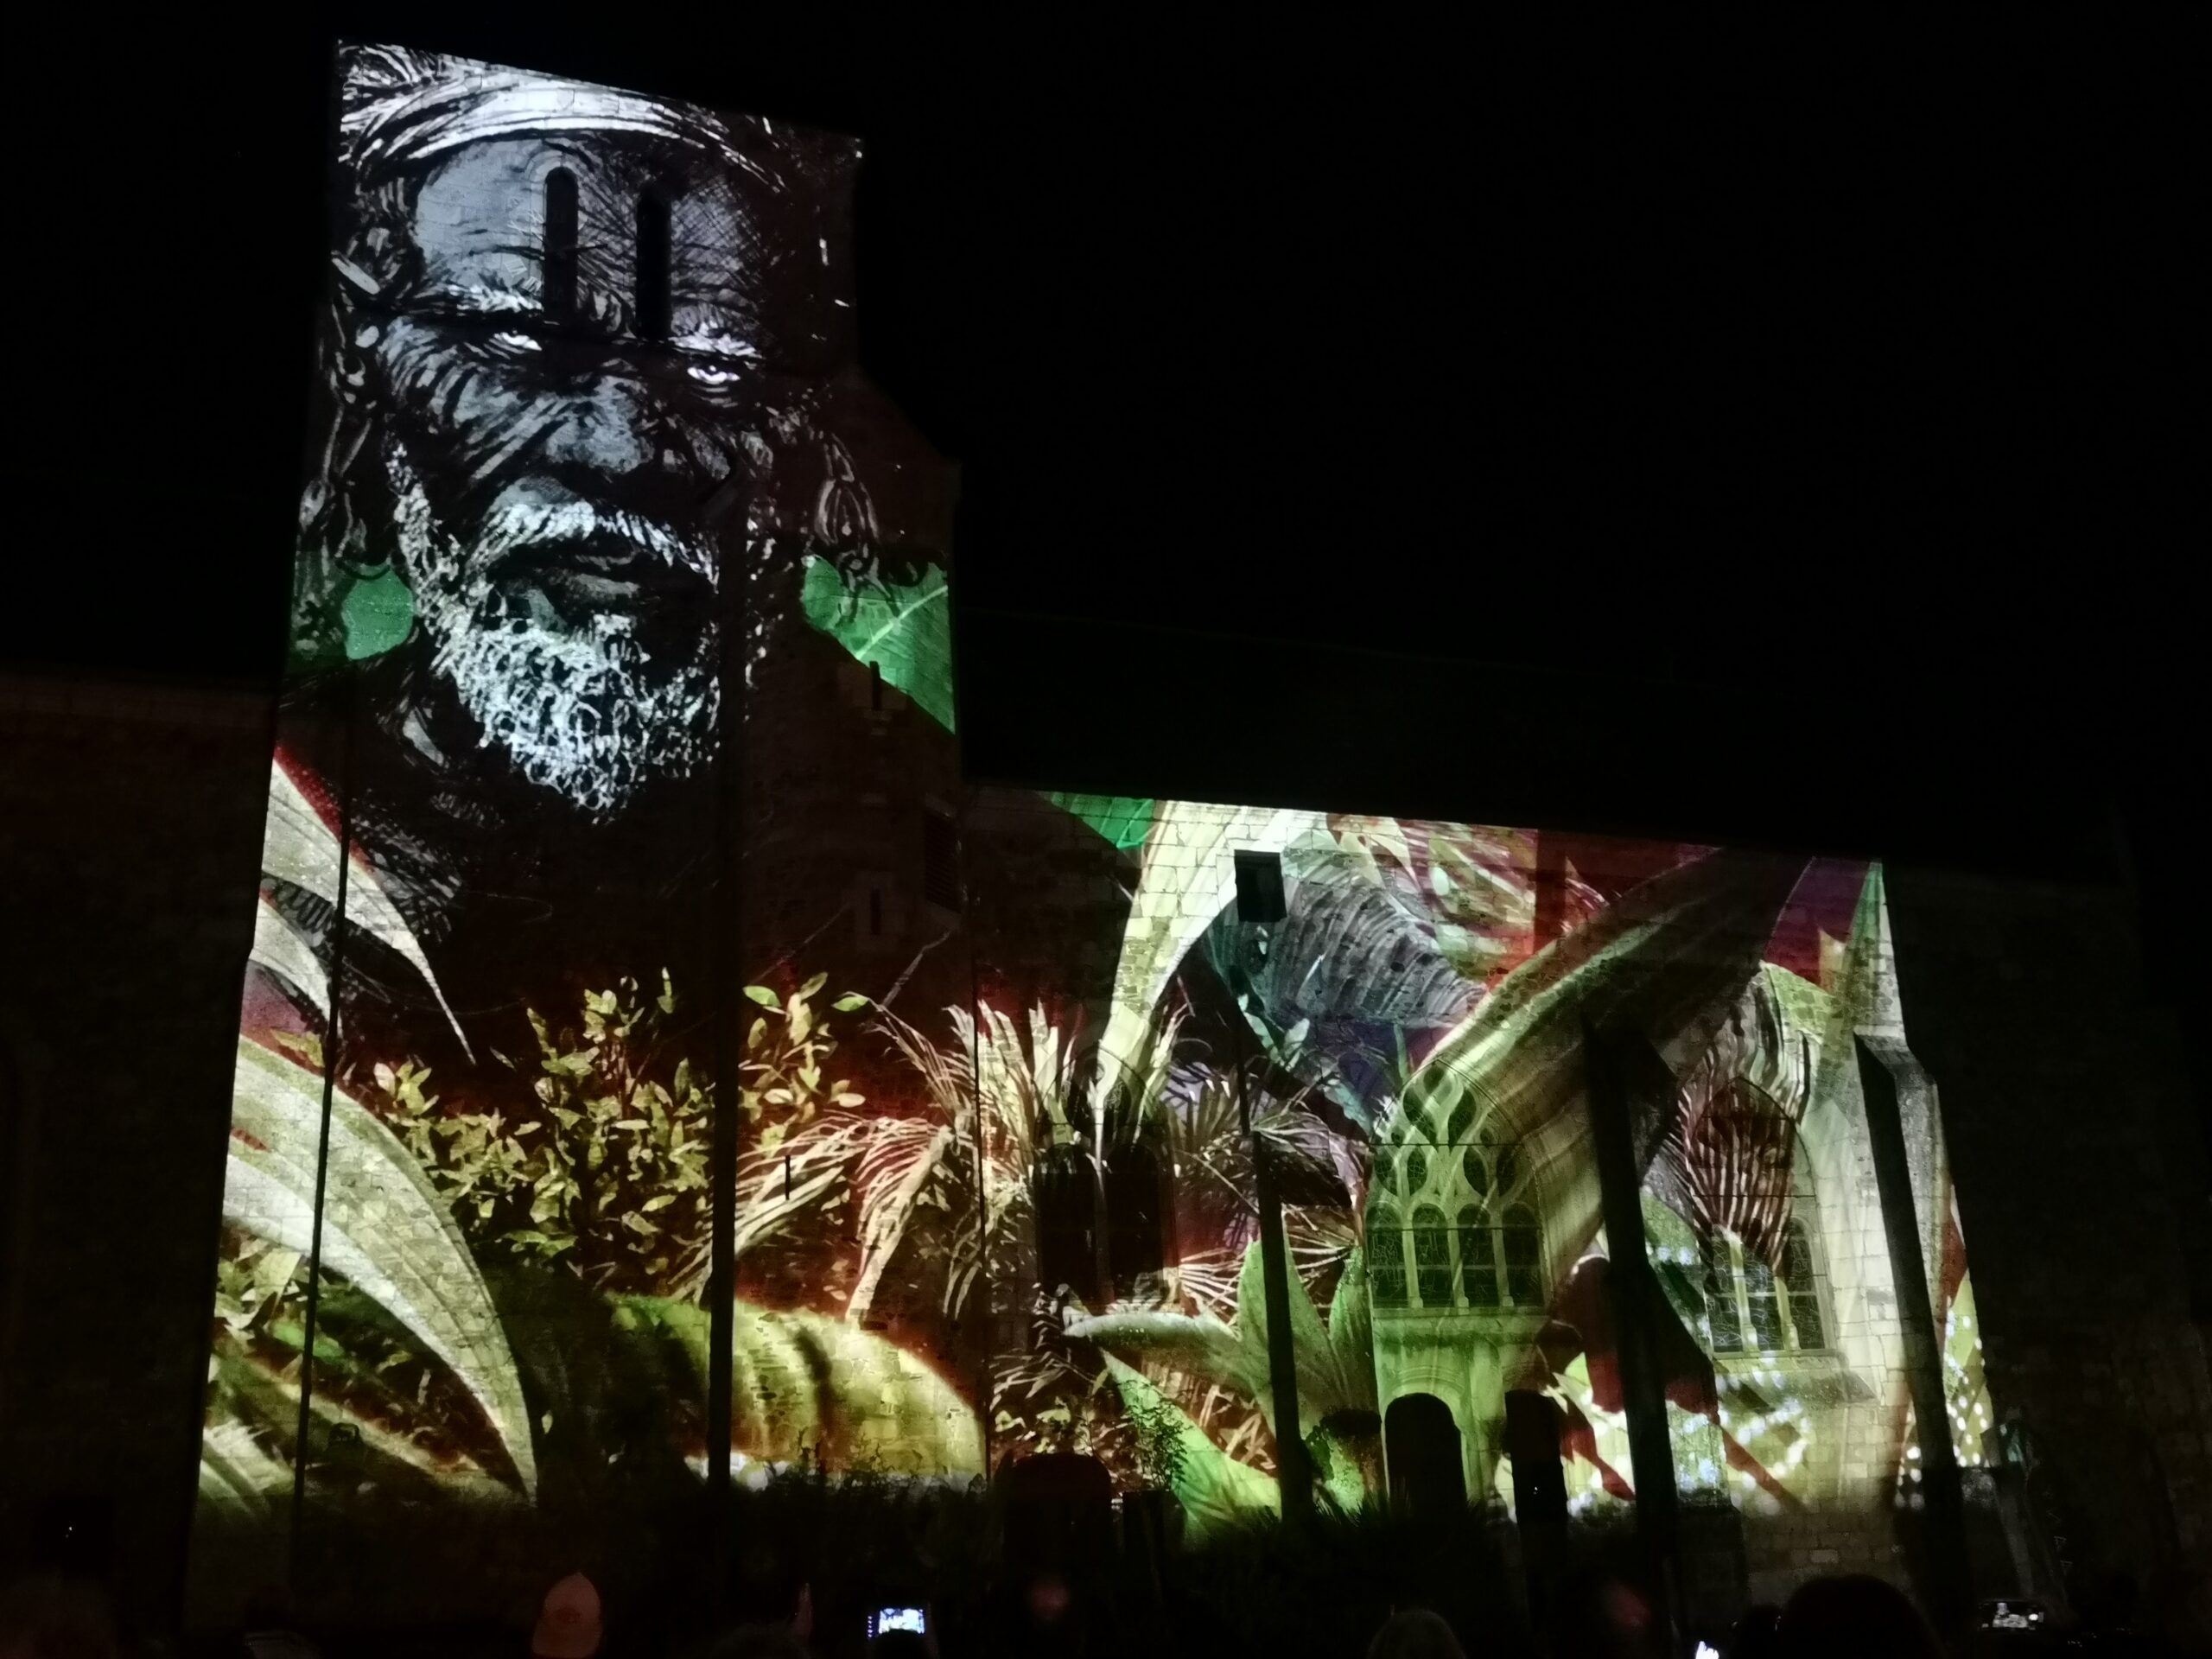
<point x="905" y="631"/>
<point x="383" y="1227"/>
<point x="1121" y="819"/>
<point x="377" y="611"/>
<point x="1215" y="1490"/>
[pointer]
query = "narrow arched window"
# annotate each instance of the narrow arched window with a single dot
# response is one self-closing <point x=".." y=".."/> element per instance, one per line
<point x="1523" y="1239"/>
<point x="1477" y="1258"/>
<point x="1061" y="1189"/>
<point x="1432" y="1256"/>
<point x="1721" y="1296"/>
<point x="1134" y="1243"/>
<point x="558" y="276"/>
<point x="653" y="305"/>
<point x="1386" y="1260"/>
<point x="1805" y="1319"/>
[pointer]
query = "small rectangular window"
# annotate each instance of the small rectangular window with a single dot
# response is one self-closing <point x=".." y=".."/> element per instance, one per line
<point x="1259" y="888"/>
<point x="559" y="274"/>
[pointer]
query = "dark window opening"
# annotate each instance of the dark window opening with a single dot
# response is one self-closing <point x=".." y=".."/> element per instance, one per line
<point x="940" y="859"/>
<point x="1067" y="1226"/>
<point x="558" y="274"/>
<point x="654" y="303"/>
<point x="1433" y="1257"/>
<point x="1134" y="1213"/>
<point x="1259" y="888"/>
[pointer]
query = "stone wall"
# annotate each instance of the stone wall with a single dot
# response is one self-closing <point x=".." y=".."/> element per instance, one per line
<point x="130" y="841"/>
<point x="2078" y="1159"/>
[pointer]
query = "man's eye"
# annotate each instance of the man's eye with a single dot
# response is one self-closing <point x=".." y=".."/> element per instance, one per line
<point x="711" y="374"/>
<point x="508" y="339"/>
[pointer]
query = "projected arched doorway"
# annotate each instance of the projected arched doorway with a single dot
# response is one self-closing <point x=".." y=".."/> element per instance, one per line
<point x="1532" y="1424"/>
<point x="1422" y="1445"/>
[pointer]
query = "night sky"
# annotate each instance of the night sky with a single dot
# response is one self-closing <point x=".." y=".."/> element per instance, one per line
<point x="1769" y="450"/>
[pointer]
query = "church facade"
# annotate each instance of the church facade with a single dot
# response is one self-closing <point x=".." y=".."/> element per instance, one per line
<point x="659" y="1064"/>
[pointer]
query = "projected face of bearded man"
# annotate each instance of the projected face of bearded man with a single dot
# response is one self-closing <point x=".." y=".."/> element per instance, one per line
<point x="551" y="428"/>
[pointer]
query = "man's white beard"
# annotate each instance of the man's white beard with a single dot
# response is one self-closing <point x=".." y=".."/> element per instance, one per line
<point x="582" y="711"/>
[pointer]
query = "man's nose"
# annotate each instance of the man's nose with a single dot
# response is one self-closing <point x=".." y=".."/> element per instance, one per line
<point x="616" y="427"/>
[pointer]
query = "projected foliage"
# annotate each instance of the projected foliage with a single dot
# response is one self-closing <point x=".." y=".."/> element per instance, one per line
<point x="995" y="1190"/>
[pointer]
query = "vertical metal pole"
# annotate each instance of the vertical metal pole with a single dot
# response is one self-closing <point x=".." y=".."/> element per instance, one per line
<point x="1950" y="1583"/>
<point x="1632" y="1291"/>
<point x="1296" y="1485"/>
<point x="331" y="1037"/>
<point x="729" y="965"/>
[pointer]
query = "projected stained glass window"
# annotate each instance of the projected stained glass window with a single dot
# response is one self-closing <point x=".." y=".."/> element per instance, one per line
<point x="1386" y="1260"/>
<point x="1477" y="1258"/>
<point x="1433" y="1255"/>
<point x="1807" y="1325"/>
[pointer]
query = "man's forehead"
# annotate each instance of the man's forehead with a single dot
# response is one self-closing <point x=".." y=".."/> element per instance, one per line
<point x="501" y="182"/>
<point x="448" y="163"/>
<point x="484" y="205"/>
